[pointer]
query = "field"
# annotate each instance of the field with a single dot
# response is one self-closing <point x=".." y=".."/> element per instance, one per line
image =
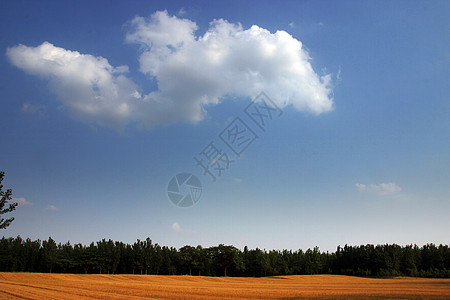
<point x="68" y="286"/>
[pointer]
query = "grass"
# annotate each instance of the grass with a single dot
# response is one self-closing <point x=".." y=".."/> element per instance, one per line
<point x="70" y="286"/>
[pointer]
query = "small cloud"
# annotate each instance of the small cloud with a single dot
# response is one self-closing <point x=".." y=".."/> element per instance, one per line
<point x="22" y="201"/>
<point x="181" y="12"/>
<point x="176" y="226"/>
<point x="320" y="24"/>
<point x="34" y="109"/>
<point x="53" y="208"/>
<point x="238" y="180"/>
<point x="382" y="189"/>
<point x="292" y="25"/>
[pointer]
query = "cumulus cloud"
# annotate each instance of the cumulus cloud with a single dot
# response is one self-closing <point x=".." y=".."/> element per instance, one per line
<point x="22" y="201"/>
<point x="89" y="86"/>
<point x="195" y="71"/>
<point x="192" y="72"/>
<point x="176" y="226"/>
<point x="382" y="189"/>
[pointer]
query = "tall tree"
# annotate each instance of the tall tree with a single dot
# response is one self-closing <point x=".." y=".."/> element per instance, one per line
<point x="200" y="259"/>
<point x="187" y="255"/>
<point x="5" y="197"/>
<point x="49" y="249"/>
<point x="148" y="254"/>
<point x="227" y="257"/>
<point x="138" y="254"/>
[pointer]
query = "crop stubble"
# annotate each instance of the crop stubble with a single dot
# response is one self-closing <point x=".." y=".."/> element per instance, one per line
<point x="71" y="286"/>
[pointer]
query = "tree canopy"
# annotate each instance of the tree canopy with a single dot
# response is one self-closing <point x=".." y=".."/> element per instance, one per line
<point x="5" y="198"/>
<point x="146" y="257"/>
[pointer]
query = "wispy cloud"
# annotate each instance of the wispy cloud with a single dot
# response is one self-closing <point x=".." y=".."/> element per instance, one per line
<point x="382" y="189"/>
<point x="22" y="201"/>
<point x="34" y="109"/>
<point x="52" y="208"/>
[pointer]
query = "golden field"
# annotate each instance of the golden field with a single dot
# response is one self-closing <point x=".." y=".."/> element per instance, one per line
<point x="70" y="286"/>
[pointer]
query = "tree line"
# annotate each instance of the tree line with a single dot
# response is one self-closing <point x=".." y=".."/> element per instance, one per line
<point x="146" y="257"/>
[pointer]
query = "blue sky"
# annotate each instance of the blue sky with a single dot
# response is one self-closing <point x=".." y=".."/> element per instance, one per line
<point x="104" y="102"/>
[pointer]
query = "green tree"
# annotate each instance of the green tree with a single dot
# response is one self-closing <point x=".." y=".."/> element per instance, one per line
<point x="157" y="259"/>
<point x="18" y="255"/>
<point x="167" y="266"/>
<point x="148" y="255"/>
<point x="200" y="259"/>
<point x="227" y="257"/>
<point x="408" y="265"/>
<point x="138" y="254"/>
<point x="90" y="258"/>
<point x="31" y="255"/>
<point x="5" y="197"/>
<point x="49" y="249"/>
<point x="187" y="256"/>
<point x="65" y="257"/>
<point x="6" y="255"/>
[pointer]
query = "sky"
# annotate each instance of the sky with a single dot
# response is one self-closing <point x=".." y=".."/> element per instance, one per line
<point x="285" y="125"/>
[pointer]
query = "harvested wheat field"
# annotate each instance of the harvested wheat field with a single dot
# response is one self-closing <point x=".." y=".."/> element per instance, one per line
<point x="68" y="286"/>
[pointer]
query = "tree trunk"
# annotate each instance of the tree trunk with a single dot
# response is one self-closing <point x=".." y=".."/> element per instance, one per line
<point x="225" y="271"/>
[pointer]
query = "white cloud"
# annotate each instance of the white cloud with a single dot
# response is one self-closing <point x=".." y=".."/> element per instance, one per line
<point x="22" y="201"/>
<point x="89" y="86"/>
<point x="53" y="208"/>
<point x="195" y="71"/>
<point x="382" y="189"/>
<point x="192" y="72"/>
<point x="181" y="12"/>
<point x="176" y="226"/>
<point x="292" y="25"/>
